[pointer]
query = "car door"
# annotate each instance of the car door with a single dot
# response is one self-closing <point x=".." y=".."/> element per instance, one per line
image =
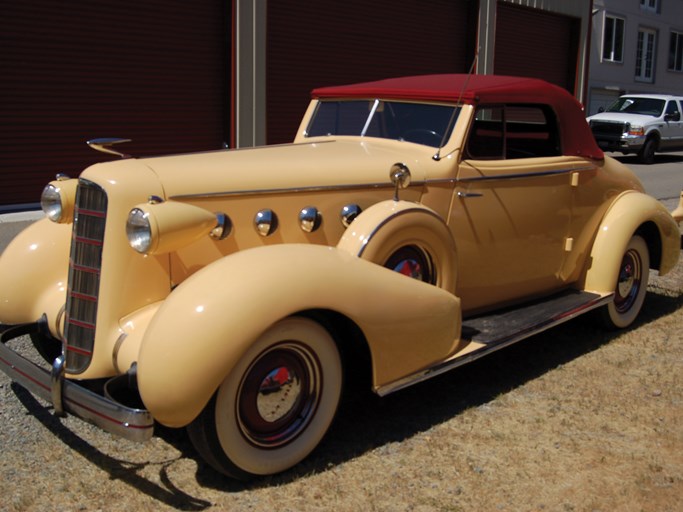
<point x="672" y="132"/>
<point x="511" y="209"/>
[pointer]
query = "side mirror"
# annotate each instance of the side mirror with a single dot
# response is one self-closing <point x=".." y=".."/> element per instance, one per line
<point x="676" y="116"/>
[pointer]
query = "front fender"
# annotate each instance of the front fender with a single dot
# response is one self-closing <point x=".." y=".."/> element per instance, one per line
<point x="628" y="213"/>
<point x="210" y="320"/>
<point x="33" y="274"/>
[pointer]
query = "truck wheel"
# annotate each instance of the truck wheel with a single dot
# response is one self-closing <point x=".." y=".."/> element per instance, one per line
<point x="276" y="404"/>
<point x="631" y="286"/>
<point x="646" y="155"/>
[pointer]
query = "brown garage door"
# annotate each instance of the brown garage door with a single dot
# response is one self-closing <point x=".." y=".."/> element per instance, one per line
<point x="153" y="71"/>
<point x="333" y="43"/>
<point x="535" y="43"/>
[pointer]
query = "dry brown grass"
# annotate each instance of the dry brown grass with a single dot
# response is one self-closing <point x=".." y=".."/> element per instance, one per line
<point x="575" y="419"/>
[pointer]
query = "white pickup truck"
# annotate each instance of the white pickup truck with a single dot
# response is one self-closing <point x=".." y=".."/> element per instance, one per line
<point x="640" y="123"/>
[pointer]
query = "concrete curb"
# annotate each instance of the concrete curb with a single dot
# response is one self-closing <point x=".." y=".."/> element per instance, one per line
<point x="21" y="216"/>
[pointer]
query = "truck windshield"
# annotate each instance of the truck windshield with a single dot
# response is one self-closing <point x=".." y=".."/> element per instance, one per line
<point x="422" y="123"/>
<point x="635" y="105"/>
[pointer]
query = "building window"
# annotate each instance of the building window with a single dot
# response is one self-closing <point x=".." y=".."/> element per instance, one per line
<point x="650" y="5"/>
<point x="676" y="52"/>
<point x="645" y="56"/>
<point x="613" y="40"/>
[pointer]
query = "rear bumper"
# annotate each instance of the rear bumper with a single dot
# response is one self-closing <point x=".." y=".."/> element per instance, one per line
<point x="69" y="397"/>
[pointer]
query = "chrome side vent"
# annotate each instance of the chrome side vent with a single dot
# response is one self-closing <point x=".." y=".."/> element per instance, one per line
<point x="85" y="263"/>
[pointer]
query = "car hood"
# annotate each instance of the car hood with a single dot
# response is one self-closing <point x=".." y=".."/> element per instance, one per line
<point x="620" y="117"/>
<point x="334" y="163"/>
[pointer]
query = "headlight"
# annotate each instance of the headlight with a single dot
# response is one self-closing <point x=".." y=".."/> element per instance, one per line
<point x="51" y="202"/>
<point x="160" y="227"/>
<point x="139" y="230"/>
<point x="58" y="199"/>
<point x="636" y="130"/>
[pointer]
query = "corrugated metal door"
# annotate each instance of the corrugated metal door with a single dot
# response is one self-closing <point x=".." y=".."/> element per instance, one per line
<point x="153" y="71"/>
<point x="535" y="43"/>
<point x="333" y="43"/>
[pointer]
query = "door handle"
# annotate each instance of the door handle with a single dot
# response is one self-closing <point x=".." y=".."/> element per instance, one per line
<point x="463" y="195"/>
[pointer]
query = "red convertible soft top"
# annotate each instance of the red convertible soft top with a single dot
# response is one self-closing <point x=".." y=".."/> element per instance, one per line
<point x="482" y="89"/>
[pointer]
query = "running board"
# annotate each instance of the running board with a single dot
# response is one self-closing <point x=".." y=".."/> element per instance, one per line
<point x="487" y="333"/>
<point x="516" y="323"/>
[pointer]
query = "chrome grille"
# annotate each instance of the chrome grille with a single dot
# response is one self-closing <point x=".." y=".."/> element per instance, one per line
<point x="87" y="238"/>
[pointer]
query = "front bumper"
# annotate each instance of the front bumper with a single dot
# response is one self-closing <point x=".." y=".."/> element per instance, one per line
<point x="625" y="144"/>
<point x="67" y="396"/>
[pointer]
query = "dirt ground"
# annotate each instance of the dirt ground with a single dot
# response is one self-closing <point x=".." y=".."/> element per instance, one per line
<point x="574" y="419"/>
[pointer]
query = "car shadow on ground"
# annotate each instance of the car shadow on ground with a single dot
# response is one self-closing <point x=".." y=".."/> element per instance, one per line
<point x="660" y="158"/>
<point x="118" y="469"/>
<point x="365" y="421"/>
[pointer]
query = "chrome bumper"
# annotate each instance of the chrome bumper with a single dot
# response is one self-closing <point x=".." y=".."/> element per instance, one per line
<point x="68" y="397"/>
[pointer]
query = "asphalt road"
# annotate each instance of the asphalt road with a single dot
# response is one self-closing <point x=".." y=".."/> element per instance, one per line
<point x="12" y="223"/>
<point x="663" y="179"/>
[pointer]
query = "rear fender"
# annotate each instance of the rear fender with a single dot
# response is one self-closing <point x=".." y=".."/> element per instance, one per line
<point x="629" y="212"/>
<point x="33" y="274"/>
<point x="211" y="319"/>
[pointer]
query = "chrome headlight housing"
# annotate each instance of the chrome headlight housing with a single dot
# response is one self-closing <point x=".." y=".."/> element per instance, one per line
<point x="159" y="227"/>
<point x="139" y="230"/>
<point x="58" y="199"/>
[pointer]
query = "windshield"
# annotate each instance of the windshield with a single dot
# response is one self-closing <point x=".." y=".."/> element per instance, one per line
<point x="644" y="106"/>
<point x="421" y="123"/>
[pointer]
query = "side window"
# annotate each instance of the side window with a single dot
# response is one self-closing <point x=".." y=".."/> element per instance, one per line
<point x="486" y="139"/>
<point x="672" y="109"/>
<point x="514" y="131"/>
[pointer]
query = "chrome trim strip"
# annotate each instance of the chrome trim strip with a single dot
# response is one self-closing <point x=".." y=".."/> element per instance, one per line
<point x="115" y="353"/>
<point x="56" y="383"/>
<point x="126" y="422"/>
<point x="379" y="226"/>
<point x="523" y="175"/>
<point x="464" y="195"/>
<point x="361" y="186"/>
<point x="316" y="188"/>
<point x="452" y="363"/>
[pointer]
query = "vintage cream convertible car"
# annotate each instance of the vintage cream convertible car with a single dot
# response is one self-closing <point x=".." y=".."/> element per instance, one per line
<point x="415" y="224"/>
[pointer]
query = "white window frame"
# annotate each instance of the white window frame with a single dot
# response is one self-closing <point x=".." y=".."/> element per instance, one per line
<point x="675" y="50"/>
<point x="612" y="44"/>
<point x="650" y="5"/>
<point x="646" y="55"/>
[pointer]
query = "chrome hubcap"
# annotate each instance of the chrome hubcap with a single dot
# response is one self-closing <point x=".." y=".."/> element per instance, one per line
<point x="279" y="395"/>
<point x="629" y="281"/>
<point x="412" y="262"/>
